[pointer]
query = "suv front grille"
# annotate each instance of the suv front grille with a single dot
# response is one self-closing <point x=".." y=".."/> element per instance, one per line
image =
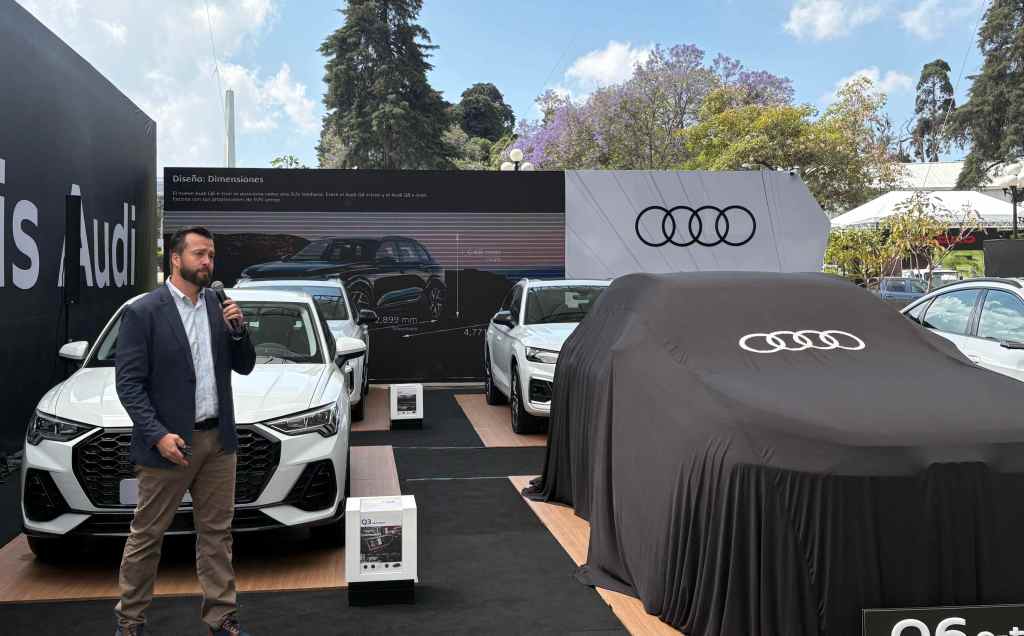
<point x="103" y="460"/>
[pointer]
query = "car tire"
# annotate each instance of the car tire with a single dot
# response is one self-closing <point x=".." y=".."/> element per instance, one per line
<point x="50" y="550"/>
<point x="492" y="395"/>
<point x="523" y="422"/>
<point x="366" y="376"/>
<point x="333" y="534"/>
<point x="434" y="298"/>
<point x="360" y="296"/>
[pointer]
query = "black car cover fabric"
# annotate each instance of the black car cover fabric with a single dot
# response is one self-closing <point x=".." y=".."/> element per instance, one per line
<point x="780" y="493"/>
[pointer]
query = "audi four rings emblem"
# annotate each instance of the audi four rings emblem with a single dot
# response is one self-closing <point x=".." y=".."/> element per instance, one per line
<point x="692" y="221"/>
<point x="776" y="341"/>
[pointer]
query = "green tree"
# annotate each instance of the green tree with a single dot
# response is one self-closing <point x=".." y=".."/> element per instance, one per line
<point x="287" y="161"/>
<point x="482" y="112"/>
<point x="844" y="155"/>
<point x="909" y="238"/>
<point x="992" y="120"/>
<point x="934" y="102"/>
<point x="381" y="111"/>
<point x="474" y="153"/>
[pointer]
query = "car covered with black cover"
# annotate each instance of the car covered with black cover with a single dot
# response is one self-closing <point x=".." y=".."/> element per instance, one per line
<point x="772" y="453"/>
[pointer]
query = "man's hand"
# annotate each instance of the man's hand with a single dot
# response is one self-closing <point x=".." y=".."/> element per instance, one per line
<point x="233" y="316"/>
<point x="170" y="446"/>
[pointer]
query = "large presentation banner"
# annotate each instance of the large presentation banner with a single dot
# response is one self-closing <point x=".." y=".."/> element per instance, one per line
<point x="432" y="253"/>
<point x="64" y="129"/>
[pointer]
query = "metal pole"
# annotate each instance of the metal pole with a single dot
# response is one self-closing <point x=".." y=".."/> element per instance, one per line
<point x="229" y="128"/>
<point x="1013" y="194"/>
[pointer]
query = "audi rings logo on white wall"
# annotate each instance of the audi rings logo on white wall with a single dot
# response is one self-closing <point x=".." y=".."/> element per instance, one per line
<point x="707" y="225"/>
<point x="828" y="340"/>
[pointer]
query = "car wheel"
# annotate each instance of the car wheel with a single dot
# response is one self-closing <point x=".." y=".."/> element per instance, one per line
<point x="360" y="296"/>
<point x="492" y="395"/>
<point x="333" y="533"/>
<point x="50" y="550"/>
<point x="359" y="409"/>
<point x="522" y="422"/>
<point x="366" y="380"/>
<point x="434" y="300"/>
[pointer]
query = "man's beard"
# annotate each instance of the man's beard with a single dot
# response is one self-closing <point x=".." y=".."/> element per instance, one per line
<point x="198" y="277"/>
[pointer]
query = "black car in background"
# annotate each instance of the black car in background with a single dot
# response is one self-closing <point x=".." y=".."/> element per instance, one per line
<point x="392" y="275"/>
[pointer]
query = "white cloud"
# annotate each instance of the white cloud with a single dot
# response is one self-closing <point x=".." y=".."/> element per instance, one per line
<point x="891" y="82"/>
<point x="930" y="18"/>
<point x="117" y="32"/>
<point x="613" y="64"/>
<point x="610" y="65"/>
<point x="170" y="73"/>
<point x="827" y="19"/>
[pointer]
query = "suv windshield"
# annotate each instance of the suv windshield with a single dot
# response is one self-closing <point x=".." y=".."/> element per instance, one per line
<point x="312" y="252"/>
<point x="559" y="304"/>
<point x="328" y="300"/>
<point x="280" y="333"/>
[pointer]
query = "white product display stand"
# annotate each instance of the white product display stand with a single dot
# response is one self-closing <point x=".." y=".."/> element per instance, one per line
<point x="406" y="405"/>
<point x="380" y="549"/>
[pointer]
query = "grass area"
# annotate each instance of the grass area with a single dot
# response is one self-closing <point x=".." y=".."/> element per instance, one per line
<point x="970" y="263"/>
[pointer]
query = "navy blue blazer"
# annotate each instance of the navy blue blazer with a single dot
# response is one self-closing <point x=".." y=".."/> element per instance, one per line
<point x="156" y="380"/>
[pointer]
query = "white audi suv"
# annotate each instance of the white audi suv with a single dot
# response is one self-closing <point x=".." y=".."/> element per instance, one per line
<point x="293" y="421"/>
<point x="343" y="319"/>
<point x="523" y="341"/>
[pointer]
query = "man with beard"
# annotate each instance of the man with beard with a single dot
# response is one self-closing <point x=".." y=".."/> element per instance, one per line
<point x="176" y="348"/>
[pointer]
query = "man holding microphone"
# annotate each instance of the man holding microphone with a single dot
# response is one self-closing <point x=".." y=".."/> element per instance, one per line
<point x="176" y="349"/>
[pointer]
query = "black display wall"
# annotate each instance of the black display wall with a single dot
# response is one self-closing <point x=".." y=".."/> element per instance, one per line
<point x="64" y="129"/>
<point x="460" y="237"/>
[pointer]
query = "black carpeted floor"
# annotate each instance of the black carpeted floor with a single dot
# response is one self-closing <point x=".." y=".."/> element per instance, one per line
<point x="444" y="425"/>
<point x="487" y="566"/>
<point x="10" y="522"/>
<point x="447" y="463"/>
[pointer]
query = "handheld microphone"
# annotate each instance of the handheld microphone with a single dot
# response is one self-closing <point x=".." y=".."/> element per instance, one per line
<point x="218" y="289"/>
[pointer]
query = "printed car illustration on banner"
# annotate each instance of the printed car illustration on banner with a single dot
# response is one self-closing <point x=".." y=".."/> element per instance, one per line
<point x="390" y="275"/>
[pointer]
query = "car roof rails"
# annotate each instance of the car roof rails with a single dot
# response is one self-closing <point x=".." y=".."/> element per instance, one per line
<point x="992" y="279"/>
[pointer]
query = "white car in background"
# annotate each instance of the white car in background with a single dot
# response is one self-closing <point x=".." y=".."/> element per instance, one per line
<point x="523" y="341"/>
<point x="983" y="317"/>
<point x="331" y="298"/>
<point x="293" y="422"/>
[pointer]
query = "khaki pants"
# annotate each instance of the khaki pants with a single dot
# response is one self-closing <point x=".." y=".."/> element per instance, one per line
<point x="210" y="476"/>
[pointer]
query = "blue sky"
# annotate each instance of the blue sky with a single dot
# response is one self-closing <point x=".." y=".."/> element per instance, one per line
<point x="160" y="54"/>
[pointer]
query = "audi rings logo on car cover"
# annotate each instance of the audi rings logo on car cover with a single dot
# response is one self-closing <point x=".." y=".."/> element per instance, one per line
<point x="828" y="340"/>
<point x="691" y="221"/>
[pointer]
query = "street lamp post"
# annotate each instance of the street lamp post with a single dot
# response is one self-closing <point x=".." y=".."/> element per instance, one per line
<point x="516" y="164"/>
<point x="1016" y="193"/>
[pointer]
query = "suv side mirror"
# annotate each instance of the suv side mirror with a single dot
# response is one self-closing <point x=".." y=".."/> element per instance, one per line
<point x="348" y="349"/>
<point x="74" y="350"/>
<point x="504" y="317"/>
<point x="366" y="317"/>
<point x="1012" y="344"/>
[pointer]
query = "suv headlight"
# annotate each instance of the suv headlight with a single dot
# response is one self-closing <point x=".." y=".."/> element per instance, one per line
<point x="323" y="420"/>
<point x="42" y="427"/>
<point x="545" y="356"/>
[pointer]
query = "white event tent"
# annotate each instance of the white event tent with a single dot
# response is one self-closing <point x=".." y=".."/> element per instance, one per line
<point x="951" y="204"/>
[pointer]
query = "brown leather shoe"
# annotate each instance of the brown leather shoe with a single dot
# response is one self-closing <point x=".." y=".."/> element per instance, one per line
<point x="229" y="627"/>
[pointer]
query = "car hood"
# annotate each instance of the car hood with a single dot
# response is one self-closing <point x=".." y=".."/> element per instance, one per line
<point x="284" y="269"/>
<point x="550" y="336"/>
<point x="270" y="391"/>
